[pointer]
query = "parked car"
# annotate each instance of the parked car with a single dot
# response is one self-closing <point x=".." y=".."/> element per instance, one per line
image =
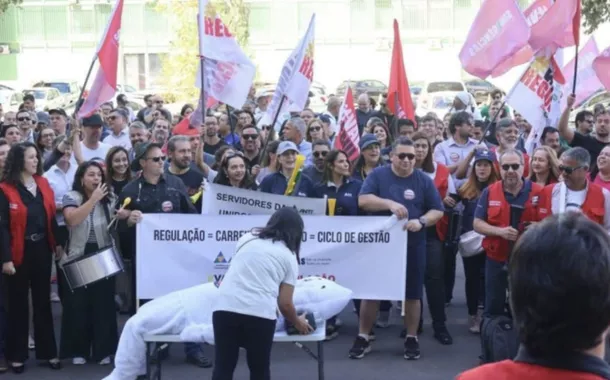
<point x="480" y="89"/>
<point x="70" y="90"/>
<point x="373" y="88"/>
<point x="46" y="98"/>
<point x="432" y="87"/>
<point x="11" y="100"/>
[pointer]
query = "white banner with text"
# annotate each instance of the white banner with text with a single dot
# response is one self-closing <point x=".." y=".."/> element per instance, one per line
<point x="177" y="251"/>
<point x="227" y="200"/>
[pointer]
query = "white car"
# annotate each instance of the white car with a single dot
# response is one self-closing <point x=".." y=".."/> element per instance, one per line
<point x="46" y="98"/>
<point x="10" y="100"/>
<point x="432" y="87"/>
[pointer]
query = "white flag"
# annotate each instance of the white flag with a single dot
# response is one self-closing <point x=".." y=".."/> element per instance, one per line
<point x="295" y="79"/>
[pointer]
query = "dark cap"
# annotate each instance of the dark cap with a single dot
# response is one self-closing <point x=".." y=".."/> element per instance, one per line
<point x="140" y="152"/>
<point x="484" y="154"/>
<point x="367" y="140"/>
<point x="94" y="120"/>
<point x="43" y="118"/>
<point x="58" y="111"/>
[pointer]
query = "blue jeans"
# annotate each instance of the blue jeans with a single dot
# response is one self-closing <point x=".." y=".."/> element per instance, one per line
<point x="496" y="284"/>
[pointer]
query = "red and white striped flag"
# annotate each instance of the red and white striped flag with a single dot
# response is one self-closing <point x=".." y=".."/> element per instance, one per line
<point x="104" y="85"/>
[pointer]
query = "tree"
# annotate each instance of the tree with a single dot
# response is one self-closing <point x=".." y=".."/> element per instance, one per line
<point x="179" y="66"/>
<point x="595" y="13"/>
<point x="4" y="4"/>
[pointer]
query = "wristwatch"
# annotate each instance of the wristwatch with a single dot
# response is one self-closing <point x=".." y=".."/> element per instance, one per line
<point x="423" y="221"/>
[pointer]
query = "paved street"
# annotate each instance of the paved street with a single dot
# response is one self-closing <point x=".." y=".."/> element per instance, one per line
<point x="289" y="362"/>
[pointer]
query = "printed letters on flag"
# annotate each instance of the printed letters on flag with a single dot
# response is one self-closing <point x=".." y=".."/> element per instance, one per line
<point x="399" y="94"/>
<point x="499" y="31"/>
<point x="586" y="80"/>
<point x="103" y="88"/>
<point x="601" y="65"/>
<point x="348" y="138"/>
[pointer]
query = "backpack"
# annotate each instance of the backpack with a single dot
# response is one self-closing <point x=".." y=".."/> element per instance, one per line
<point x="499" y="339"/>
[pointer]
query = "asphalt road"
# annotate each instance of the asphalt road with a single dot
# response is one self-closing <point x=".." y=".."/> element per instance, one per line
<point x="289" y="362"/>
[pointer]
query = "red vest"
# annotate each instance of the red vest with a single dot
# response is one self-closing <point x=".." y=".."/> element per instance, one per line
<point x="498" y="215"/>
<point x="18" y="214"/>
<point x="526" y="166"/>
<point x="593" y="206"/>
<point x="441" y="182"/>
<point x="510" y="370"/>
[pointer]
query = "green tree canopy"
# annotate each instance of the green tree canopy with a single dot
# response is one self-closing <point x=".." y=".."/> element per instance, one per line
<point x="4" y="4"/>
<point x="595" y="13"/>
<point x="180" y="65"/>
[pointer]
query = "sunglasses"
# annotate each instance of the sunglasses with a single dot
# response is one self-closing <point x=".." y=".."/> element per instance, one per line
<point x="317" y="129"/>
<point x="24" y="119"/>
<point x="266" y="127"/>
<point x="319" y="154"/>
<point x="157" y="159"/>
<point x="568" y="169"/>
<point x="249" y="137"/>
<point x="515" y="167"/>
<point x="402" y="156"/>
<point x="159" y="102"/>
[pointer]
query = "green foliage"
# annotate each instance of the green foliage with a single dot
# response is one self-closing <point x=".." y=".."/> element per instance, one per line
<point x="179" y="67"/>
<point x="4" y="4"/>
<point x="595" y="13"/>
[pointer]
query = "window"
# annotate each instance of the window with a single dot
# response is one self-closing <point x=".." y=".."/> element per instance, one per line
<point x="155" y="65"/>
<point x="305" y="11"/>
<point x="134" y="70"/>
<point x="360" y="18"/>
<point x="55" y="23"/>
<point x="83" y="23"/>
<point x="439" y="15"/>
<point x="445" y="86"/>
<point x="260" y="18"/>
<point x="415" y="15"/>
<point x="32" y="23"/>
<point x="383" y="14"/>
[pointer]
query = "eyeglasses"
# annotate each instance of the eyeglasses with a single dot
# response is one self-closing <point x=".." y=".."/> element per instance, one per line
<point x="402" y="156"/>
<point x="249" y="137"/>
<point x="507" y="167"/>
<point x="112" y="117"/>
<point x="24" y="119"/>
<point x="157" y="159"/>
<point x="266" y="127"/>
<point x="569" y="169"/>
<point x="159" y="102"/>
<point x="317" y="129"/>
<point x="319" y="153"/>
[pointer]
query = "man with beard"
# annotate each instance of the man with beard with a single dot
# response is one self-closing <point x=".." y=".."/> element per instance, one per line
<point x="576" y="193"/>
<point x="321" y="148"/>
<point x="593" y="144"/>
<point x="160" y="131"/>
<point x="138" y="133"/>
<point x="250" y="143"/>
<point x="211" y="139"/>
<point x="507" y="134"/>
<point x="493" y="220"/>
<point x="180" y="158"/>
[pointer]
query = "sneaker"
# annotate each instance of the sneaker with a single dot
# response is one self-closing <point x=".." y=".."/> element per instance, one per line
<point x="442" y="335"/>
<point x="383" y="319"/>
<point x="199" y="360"/>
<point x="412" y="349"/>
<point x="474" y="324"/>
<point x="331" y="332"/>
<point x="79" y="361"/>
<point x="106" y="361"/>
<point x="54" y="297"/>
<point x="31" y="343"/>
<point x="338" y="322"/>
<point x="360" y="348"/>
<point x="372" y="336"/>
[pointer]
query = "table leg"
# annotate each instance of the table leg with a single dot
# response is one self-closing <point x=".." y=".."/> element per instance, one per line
<point x="148" y="353"/>
<point x="320" y="360"/>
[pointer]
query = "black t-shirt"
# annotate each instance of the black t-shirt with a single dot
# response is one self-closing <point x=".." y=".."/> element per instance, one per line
<point x="192" y="179"/>
<point x="591" y="144"/>
<point x="211" y="149"/>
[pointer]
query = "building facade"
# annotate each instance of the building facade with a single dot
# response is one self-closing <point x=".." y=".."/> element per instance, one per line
<point x="56" y="39"/>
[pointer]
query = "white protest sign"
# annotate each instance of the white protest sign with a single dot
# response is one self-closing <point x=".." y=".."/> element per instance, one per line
<point x="365" y="254"/>
<point x="227" y="200"/>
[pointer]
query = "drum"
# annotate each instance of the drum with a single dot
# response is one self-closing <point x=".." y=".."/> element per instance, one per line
<point x="93" y="267"/>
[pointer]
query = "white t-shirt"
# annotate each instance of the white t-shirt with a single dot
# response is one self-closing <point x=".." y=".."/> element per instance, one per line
<point x="575" y="199"/>
<point x="252" y="283"/>
<point x="98" y="154"/>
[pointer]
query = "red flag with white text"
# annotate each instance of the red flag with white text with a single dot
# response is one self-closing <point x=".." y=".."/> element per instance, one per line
<point x="399" y="94"/>
<point x="348" y="137"/>
<point x="103" y="88"/>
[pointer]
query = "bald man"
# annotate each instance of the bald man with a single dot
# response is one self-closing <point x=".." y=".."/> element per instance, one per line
<point x="364" y="111"/>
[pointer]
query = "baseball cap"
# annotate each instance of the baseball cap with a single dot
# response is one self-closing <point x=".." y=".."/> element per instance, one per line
<point x="285" y="146"/>
<point x="94" y="120"/>
<point x="485" y="154"/>
<point x="367" y="140"/>
<point x="43" y="118"/>
<point x="140" y="152"/>
<point x="58" y="111"/>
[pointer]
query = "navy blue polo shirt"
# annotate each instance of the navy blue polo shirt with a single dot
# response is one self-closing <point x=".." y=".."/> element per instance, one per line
<point x="346" y="195"/>
<point x="277" y="183"/>
<point x="416" y="192"/>
<point x="518" y="200"/>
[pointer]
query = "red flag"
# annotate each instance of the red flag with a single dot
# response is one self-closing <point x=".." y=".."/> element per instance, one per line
<point x="104" y="85"/>
<point x="399" y="95"/>
<point x="348" y="138"/>
<point x="601" y="66"/>
<point x="576" y="22"/>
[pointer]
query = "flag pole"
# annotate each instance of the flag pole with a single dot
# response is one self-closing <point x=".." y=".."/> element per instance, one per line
<point x="202" y="94"/>
<point x="275" y="117"/>
<point x="575" y="70"/>
<point x="78" y="103"/>
<point x="492" y="121"/>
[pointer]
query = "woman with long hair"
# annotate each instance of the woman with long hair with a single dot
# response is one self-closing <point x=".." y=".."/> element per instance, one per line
<point x="600" y="175"/>
<point x="315" y="131"/>
<point x="370" y="157"/>
<point x="481" y="176"/>
<point x="117" y="169"/>
<point x="233" y="172"/>
<point x="260" y="280"/>
<point x="269" y="162"/>
<point x="186" y="111"/>
<point x="29" y="231"/>
<point x="545" y="166"/>
<point x="44" y="141"/>
<point x="435" y="236"/>
<point x="89" y="325"/>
